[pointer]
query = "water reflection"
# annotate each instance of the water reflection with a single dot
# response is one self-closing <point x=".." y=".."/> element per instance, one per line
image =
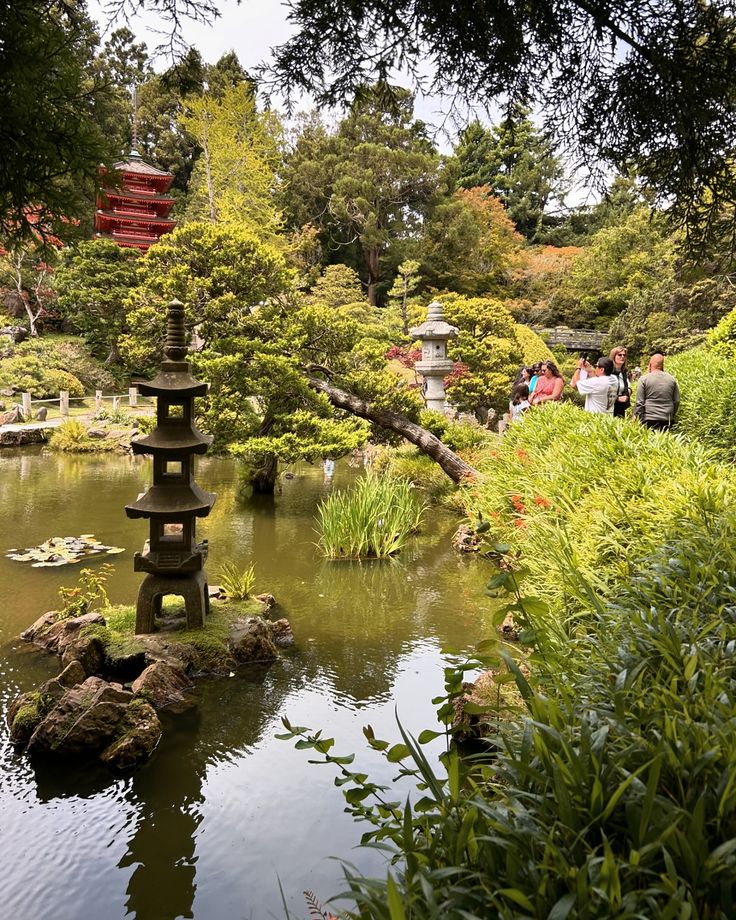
<point x="222" y="812"/>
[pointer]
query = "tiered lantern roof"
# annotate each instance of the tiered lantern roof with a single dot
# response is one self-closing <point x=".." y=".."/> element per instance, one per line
<point x="173" y="559"/>
<point x="134" y="211"/>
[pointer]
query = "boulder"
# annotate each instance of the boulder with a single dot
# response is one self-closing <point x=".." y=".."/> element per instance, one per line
<point x="96" y="434"/>
<point x="281" y="634"/>
<point x="466" y="540"/>
<point x="138" y="733"/>
<point x="15" y="333"/>
<point x="163" y="685"/>
<point x="13" y="417"/>
<point x="250" y="640"/>
<point x="42" y="414"/>
<point x="56" y="634"/>
<point x="85" y="719"/>
<point x="87" y="651"/>
<point x="27" y="711"/>
<point x="72" y="675"/>
<point x="268" y="601"/>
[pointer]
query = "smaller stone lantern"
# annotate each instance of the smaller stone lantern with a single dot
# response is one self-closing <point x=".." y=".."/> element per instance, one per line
<point x="173" y="559"/>
<point x="435" y="365"/>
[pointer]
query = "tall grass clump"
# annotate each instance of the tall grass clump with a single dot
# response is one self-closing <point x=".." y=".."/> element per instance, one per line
<point x="373" y="520"/>
<point x="707" y="399"/>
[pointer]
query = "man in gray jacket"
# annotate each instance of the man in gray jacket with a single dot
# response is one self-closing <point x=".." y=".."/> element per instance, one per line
<point x="657" y="396"/>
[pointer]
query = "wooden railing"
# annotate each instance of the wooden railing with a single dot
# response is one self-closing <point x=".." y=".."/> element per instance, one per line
<point x="573" y="339"/>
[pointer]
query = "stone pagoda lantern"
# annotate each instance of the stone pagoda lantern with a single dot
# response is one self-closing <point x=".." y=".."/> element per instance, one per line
<point x="435" y="365"/>
<point x="172" y="558"/>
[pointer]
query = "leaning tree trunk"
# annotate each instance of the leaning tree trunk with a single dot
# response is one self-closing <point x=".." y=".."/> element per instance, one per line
<point x="455" y="467"/>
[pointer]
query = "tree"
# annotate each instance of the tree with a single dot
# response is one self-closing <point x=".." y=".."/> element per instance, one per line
<point x="234" y="178"/>
<point x="517" y="161"/>
<point x="25" y="268"/>
<point x="651" y="84"/>
<point x="367" y="183"/>
<point x="51" y="144"/>
<point x="405" y="283"/>
<point x="122" y="65"/>
<point x="469" y="243"/>
<point x="276" y="364"/>
<point x="92" y="284"/>
<point x="486" y="351"/>
<point x="621" y="262"/>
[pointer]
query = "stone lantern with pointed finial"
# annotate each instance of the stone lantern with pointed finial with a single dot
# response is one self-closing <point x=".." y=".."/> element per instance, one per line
<point x="173" y="560"/>
<point x="434" y="365"/>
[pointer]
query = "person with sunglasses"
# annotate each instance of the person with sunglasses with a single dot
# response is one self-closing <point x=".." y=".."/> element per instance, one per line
<point x="623" y="389"/>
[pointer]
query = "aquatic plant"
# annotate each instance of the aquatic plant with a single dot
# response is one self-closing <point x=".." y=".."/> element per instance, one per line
<point x="89" y="592"/>
<point x="612" y="793"/>
<point x="236" y="582"/>
<point x="373" y="520"/>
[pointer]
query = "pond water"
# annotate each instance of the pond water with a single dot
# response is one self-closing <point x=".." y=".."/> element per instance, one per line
<point x="224" y="816"/>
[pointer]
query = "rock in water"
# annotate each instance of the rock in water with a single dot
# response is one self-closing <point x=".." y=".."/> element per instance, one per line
<point x="163" y="685"/>
<point x="85" y="719"/>
<point x="138" y="734"/>
<point x="250" y="640"/>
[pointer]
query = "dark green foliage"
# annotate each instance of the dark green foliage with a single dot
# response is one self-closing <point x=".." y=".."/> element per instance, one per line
<point x="517" y="161"/>
<point x="368" y="182"/>
<point x="651" y="84"/>
<point x="92" y="284"/>
<point x="51" y="144"/>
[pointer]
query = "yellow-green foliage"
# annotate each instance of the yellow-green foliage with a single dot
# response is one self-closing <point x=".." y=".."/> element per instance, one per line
<point x="533" y="347"/>
<point x="72" y="437"/>
<point x="722" y="339"/>
<point x="707" y="413"/>
<point x="579" y="493"/>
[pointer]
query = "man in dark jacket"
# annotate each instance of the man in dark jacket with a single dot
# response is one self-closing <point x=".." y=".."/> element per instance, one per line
<point x="657" y="396"/>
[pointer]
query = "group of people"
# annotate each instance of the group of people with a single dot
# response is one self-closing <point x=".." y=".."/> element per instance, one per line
<point x="606" y="387"/>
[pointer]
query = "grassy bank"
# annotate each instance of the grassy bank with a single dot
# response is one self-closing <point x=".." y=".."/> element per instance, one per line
<point x="613" y="791"/>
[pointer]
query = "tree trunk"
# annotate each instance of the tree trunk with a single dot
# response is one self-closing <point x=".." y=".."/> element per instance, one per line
<point x="263" y="480"/>
<point x="455" y="467"/>
<point x="114" y="357"/>
<point x="371" y="261"/>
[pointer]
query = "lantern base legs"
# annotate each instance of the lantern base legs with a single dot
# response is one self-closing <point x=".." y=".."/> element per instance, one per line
<point x="192" y="588"/>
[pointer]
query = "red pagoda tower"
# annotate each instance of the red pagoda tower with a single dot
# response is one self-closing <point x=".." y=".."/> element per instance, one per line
<point x="135" y="213"/>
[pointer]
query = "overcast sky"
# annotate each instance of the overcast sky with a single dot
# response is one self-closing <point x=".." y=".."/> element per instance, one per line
<point x="251" y="29"/>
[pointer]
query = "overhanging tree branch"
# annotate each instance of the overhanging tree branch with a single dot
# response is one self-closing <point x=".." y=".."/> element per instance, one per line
<point x="455" y="467"/>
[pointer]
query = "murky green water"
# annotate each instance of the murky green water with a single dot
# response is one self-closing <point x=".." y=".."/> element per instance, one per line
<point x="223" y="812"/>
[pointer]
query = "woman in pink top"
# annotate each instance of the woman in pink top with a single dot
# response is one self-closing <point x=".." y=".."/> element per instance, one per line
<point x="549" y="386"/>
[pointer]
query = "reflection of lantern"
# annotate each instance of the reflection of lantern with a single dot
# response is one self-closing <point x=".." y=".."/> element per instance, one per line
<point x="435" y="365"/>
<point x="173" y="560"/>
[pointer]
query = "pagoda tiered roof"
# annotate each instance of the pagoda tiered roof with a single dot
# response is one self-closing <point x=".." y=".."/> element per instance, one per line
<point x="135" y="212"/>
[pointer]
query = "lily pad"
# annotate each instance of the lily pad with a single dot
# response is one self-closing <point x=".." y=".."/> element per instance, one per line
<point x="58" y="551"/>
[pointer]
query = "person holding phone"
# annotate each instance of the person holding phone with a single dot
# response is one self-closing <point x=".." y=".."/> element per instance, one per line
<point x="598" y="384"/>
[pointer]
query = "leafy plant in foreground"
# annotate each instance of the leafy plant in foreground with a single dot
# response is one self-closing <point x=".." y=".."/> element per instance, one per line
<point x="88" y="593"/>
<point x="236" y="582"/>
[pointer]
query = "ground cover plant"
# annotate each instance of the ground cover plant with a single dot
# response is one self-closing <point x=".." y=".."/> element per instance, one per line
<point x="374" y="519"/>
<point x="613" y="793"/>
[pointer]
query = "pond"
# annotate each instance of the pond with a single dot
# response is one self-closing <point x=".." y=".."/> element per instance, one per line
<point x="224" y="816"/>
